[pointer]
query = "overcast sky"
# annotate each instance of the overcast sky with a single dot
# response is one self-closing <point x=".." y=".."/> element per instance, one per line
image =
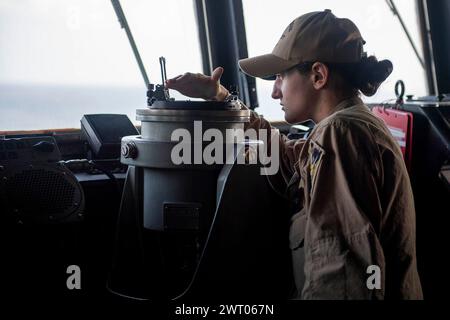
<point x="81" y="42"/>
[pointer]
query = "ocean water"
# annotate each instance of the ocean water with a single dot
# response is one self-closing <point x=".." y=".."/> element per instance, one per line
<point x="31" y="107"/>
<point x="36" y="106"/>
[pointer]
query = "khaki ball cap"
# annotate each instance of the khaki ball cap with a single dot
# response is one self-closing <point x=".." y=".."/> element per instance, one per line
<point x="315" y="36"/>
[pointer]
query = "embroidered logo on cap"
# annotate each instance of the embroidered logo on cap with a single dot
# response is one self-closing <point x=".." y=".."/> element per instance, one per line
<point x="289" y="29"/>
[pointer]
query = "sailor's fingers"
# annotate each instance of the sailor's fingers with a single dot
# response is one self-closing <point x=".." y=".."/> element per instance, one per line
<point x="217" y="73"/>
<point x="175" y="78"/>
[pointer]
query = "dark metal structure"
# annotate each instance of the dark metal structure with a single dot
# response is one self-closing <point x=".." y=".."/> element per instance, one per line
<point x="193" y="229"/>
<point x="435" y="27"/>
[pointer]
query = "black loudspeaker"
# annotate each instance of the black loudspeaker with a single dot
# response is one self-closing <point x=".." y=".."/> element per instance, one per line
<point x="35" y="187"/>
<point x="104" y="133"/>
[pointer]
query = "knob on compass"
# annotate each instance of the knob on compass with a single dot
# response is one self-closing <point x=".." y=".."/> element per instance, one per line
<point x="129" y="150"/>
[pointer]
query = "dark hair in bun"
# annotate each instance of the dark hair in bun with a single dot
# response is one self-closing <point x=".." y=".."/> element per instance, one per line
<point x="365" y="76"/>
<point x="369" y="74"/>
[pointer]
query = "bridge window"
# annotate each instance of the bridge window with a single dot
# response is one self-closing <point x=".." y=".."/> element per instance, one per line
<point x="62" y="59"/>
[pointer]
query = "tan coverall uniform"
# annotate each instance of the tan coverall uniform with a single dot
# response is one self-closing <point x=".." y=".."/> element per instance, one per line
<point x="354" y="208"/>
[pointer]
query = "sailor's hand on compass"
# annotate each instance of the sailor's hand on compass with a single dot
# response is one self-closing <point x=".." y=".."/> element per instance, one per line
<point x="197" y="85"/>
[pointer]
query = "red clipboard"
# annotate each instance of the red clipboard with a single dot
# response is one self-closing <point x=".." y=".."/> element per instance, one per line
<point x="400" y="123"/>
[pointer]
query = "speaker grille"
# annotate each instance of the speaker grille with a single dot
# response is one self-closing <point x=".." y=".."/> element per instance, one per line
<point x="48" y="193"/>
